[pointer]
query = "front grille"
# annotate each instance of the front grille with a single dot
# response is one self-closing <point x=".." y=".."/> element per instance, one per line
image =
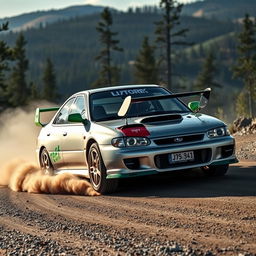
<point x="179" y="139"/>
<point x="201" y="156"/>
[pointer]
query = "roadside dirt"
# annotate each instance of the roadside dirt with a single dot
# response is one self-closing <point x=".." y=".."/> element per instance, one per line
<point x="181" y="213"/>
<point x="246" y="147"/>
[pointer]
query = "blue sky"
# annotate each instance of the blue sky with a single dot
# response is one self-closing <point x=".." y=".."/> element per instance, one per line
<point x="15" y="7"/>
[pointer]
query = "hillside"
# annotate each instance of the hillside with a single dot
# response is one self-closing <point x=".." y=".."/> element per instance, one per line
<point x="73" y="45"/>
<point x="42" y="18"/>
<point x="220" y="9"/>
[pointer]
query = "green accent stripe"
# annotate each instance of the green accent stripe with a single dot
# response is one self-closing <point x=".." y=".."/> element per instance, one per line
<point x="231" y="161"/>
<point x="37" y="114"/>
<point x="129" y="175"/>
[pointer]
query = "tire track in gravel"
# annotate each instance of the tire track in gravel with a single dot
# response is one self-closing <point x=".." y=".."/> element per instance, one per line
<point x="205" y="230"/>
<point x="33" y="225"/>
<point x="66" y="240"/>
<point x="178" y="212"/>
<point x="121" y="240"/>
<point x="219" y="221"/>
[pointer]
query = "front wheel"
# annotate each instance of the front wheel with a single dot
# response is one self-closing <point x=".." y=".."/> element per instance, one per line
<point x="217" y="170"/>
<point x="97" y="172"/>
<point x="45" y="162"/>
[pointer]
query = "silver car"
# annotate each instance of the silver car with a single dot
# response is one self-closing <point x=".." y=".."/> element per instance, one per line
<point x="127" y="131"/>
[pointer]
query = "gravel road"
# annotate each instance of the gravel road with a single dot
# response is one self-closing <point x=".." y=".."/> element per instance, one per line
<point x="176" y="214"/>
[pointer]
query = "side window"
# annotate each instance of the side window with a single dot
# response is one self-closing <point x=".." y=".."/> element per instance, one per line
<point x="78" y="106"/>
<point x="62" y="117"/>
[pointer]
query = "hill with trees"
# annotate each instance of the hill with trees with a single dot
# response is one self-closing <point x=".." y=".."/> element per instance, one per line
<point x="220" y="9"/>
<point x="73" y="45"/>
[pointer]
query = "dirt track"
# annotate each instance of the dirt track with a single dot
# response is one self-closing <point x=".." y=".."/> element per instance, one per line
<point x="176" y="214"/>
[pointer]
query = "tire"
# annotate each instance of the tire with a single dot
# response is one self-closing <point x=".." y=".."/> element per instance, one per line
<point x="97" y="172"/>
<point x="217" y="170"/>
<point x="45" y="162"/>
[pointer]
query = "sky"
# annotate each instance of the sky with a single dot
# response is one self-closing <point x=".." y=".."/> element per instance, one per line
<point x="10" y="8"/>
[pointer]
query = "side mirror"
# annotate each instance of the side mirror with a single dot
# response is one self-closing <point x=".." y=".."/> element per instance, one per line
<point x="194" y="106"/>
<point x="77" y="118"/>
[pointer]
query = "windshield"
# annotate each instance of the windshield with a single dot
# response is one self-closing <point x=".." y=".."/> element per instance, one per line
<point x="105" y="105"/>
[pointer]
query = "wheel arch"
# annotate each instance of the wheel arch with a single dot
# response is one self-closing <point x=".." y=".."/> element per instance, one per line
<point x="39" y="155"/>
<point x="89" y="143"/>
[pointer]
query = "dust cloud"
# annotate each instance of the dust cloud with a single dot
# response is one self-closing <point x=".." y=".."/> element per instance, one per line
<point x="18" y="168"/>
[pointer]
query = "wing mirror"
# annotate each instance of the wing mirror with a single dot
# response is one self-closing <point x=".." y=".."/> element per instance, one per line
<point x="77" y="118"/>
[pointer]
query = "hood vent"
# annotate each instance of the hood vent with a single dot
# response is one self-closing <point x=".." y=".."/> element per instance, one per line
<point x="165" y="118"/>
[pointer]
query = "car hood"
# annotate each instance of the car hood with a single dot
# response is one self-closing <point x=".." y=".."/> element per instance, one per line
<point x="168" y="125"/>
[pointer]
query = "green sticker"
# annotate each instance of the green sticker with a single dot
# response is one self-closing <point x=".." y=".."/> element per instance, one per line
<point x="55" y="155"/>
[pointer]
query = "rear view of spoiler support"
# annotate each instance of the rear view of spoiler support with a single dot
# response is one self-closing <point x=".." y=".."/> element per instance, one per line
<point x="40" y="110"/>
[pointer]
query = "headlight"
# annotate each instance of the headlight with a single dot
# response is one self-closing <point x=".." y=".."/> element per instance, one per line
<point x="130" y="142"/>
<point x="218" y="132"/>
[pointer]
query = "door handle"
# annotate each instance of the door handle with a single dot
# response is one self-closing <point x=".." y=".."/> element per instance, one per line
<point x="65" y="134"/>
<point x="48" y="134"/>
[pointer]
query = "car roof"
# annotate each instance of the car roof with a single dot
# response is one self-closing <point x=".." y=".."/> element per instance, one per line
<point x="120" y="87"/>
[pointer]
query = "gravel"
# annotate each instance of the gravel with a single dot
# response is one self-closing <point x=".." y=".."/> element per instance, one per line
<point x="46" y="234"/>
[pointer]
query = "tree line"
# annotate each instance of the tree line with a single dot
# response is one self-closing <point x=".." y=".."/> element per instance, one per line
<point x="148" y="69"/>
<point x="153" y="64"/>
<point x="15" y="90"/>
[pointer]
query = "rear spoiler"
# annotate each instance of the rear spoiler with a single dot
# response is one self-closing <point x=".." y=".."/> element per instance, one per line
<point x="205" y="93"/>
<point x="39" y="111"/>
<point x="205" y="96"/>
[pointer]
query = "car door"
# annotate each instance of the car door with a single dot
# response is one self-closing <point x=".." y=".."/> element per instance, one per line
<point x="73" y="143"/>
<point x="56" y="133"/>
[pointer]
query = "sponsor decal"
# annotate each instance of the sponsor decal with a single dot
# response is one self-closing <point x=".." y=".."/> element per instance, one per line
<point x="129" y="92"/>
<point x="55" y="155"/>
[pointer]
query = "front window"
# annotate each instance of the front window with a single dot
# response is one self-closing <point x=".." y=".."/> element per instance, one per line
<point x="78" y="107"/>
<point x="105" y="105"/>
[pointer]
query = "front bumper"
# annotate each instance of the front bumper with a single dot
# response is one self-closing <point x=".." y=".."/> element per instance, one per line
<point x="130" y="162"/>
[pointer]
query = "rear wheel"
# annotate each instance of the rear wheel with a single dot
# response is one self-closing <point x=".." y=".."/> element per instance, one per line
<point x="97" y="172"/>
<point x="45" y="162"/>
<point x="217" y="170"/>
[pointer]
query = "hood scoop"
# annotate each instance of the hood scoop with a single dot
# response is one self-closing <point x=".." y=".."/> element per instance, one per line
<point x="160" y="119"/>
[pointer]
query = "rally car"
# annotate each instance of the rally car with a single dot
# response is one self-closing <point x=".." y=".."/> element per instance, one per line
<point x="126" y="131"/>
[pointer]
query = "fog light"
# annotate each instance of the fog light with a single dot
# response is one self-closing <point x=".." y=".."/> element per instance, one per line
<point x="132" y="163"/>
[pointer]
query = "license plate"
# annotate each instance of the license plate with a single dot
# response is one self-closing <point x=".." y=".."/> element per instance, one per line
<point x="181" y="157"/>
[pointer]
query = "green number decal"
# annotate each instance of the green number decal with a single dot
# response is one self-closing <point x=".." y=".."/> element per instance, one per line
<point x="55" y="155"/>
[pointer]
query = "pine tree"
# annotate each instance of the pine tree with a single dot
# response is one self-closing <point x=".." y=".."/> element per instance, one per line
<point x="246" y="66"/>
<point x="241" y="104"/>
<point x="206" y="77"/>
<point x="109" y="73"/>
<point x="5" y="57"/>
<point x="33" y="92"/>
<point x="166" y="33"/>
<point x="49" y="91"/>
<point x="146" y="70"/>
<point x="17" y="89"/>
<point x="4" y="26"/>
